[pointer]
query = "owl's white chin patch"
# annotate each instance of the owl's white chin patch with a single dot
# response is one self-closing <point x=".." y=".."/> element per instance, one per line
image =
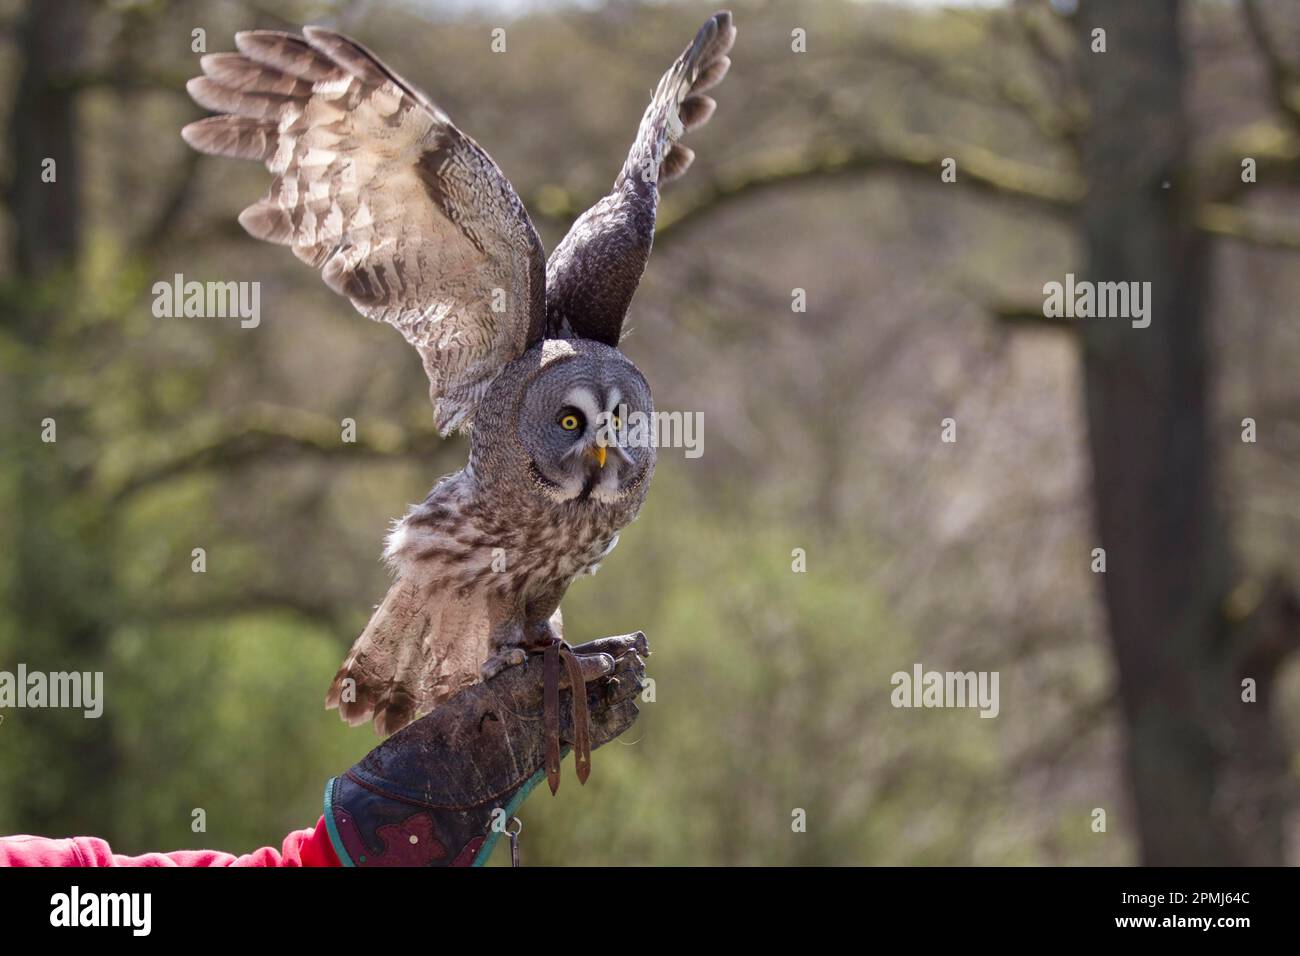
<point x="606" y="489"/>
<point x="570" y="489"/>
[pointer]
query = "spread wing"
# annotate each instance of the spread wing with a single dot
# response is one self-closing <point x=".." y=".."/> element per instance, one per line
<point x="403" y="213"/>
<point x="593" y="273"/>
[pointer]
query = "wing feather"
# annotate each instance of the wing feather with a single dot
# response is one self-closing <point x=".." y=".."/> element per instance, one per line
<point x="403" y="214"/>
<point x="593" y="273"/>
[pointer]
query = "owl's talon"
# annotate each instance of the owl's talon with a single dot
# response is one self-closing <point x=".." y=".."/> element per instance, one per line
<point x="494" y="665"/>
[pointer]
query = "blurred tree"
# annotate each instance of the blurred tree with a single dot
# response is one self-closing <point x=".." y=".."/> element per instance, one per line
<point x="60" y="589"/>
<point x="1208" y="771"/>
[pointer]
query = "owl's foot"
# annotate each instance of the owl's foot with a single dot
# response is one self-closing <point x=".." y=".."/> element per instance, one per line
<point x="596" y="659"/>
<point x="507" y="657"/>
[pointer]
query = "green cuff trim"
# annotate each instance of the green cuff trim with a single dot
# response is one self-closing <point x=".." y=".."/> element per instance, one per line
<point x="485" y="851"/>
<point x="335" y="840"/>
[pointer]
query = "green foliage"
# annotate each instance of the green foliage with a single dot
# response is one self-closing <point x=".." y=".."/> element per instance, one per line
<point x="226" y="717"/>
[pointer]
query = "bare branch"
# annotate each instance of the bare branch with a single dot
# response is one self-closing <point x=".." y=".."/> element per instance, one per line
<point x="157" y="233"/>
<point x="1264" y="617"/>
<point x="1087" y="717"/>
<point x="123" y="78"/>
<point x="262" y="430"/>
<point x="1054" y="55"/>
<point x="1027" y="315"/>
<point x="1002" y="88"/>
<point x="1275" y="150"/>
<point x="1232" y="222"/>
<point x="223" y="607"/>
<point x="978" y="169"/>
<point x="1283" y="81"/>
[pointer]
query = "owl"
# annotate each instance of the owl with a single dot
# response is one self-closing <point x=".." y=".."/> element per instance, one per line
<point x="411" y="220"/>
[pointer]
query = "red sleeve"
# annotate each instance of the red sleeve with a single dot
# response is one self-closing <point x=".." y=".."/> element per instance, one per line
<point x="300" y="848"/>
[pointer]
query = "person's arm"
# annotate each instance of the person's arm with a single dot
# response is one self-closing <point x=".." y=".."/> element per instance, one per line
<point x="300" y="848"/>
<point x="429" y="794"/>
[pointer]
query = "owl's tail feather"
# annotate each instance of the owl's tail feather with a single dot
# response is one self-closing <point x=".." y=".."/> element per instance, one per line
<point x="416" y="651"/>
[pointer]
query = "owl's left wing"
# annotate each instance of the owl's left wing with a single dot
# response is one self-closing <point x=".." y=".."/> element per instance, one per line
<point x="594" y="271"/>
<point x="403" y="213"/>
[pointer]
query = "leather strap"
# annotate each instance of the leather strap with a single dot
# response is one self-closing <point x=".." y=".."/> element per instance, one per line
<point x="581" y="737"/>
<point x="551" y="713"/>
<point x="551" y="659"/>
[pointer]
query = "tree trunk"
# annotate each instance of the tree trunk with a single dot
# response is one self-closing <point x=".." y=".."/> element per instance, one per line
<point x="1202" y="764"/>
<point x="60" y="586"/>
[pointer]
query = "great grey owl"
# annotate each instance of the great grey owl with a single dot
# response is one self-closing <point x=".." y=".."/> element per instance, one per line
<point x="412" y="221"/>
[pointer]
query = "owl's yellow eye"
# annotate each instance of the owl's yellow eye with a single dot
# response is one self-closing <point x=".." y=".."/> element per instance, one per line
<point x="617" y="422"/>
<point x="570" y="422"/>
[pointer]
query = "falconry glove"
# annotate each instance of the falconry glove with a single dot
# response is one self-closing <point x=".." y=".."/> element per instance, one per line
<point x="440" y="791"/>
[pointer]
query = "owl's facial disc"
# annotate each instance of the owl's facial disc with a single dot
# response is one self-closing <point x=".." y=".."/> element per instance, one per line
<point x="574" y="444"/>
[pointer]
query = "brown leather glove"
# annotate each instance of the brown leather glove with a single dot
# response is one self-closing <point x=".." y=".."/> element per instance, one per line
<point x="426" y="796"/>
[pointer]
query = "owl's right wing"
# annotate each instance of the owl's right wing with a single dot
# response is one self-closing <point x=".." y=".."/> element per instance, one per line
<point x="403" y="213"/>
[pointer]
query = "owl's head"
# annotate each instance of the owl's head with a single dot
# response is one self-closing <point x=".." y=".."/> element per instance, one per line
<point x="577" y="405"/>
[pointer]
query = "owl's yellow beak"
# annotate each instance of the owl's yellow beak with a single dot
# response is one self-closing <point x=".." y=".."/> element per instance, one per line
<point x="598" y="452"/>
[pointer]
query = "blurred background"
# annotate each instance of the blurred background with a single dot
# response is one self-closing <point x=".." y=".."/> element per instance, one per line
<point x="820" y="171"/>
